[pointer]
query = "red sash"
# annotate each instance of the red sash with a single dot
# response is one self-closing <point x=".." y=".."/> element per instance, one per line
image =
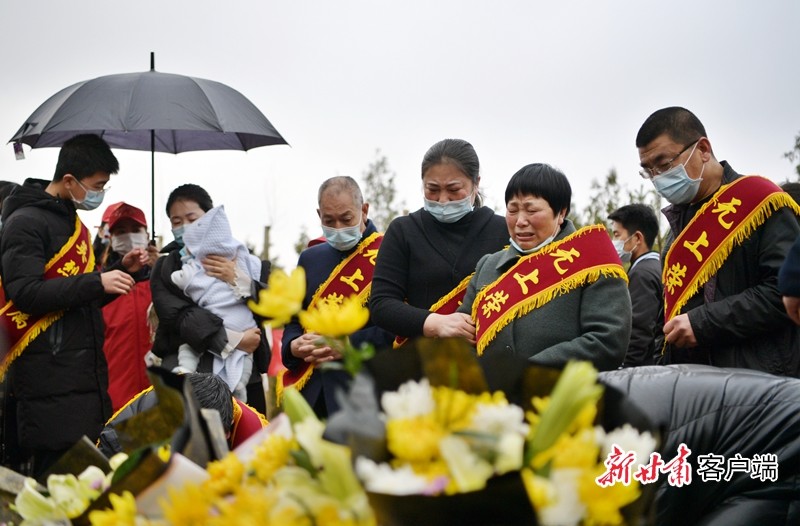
<point x="246" y="422"/>
<point x="74" y="258"/>
<point x="351" y="277"/>
<point x="447" y="304"/>
<point x="721" y="224"/>
<point x="578" y="259"/>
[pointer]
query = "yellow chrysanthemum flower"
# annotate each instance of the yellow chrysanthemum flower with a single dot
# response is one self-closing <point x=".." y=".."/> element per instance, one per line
<point x="603" y="504"/>
<point x="251" y="505"/>
<point x="225" y="475"/>
<point x="414" y="439"/>
<point x="122" y="512"/>
<point x="270" y="456"/>
<point x="570" y="451"/>
<point x="335" y="320"/>
<point x="189" y="506"/>
<point x="283" y="297"/>
<point x="455" y="408"/>
<point x="539" y="489"/>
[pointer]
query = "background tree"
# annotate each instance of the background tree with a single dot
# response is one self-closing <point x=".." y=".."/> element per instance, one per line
<point x="380" y="192"/>
<point x="609" y="195"/>
<point x="302" y="241"/>
<point x="794" y="154"/>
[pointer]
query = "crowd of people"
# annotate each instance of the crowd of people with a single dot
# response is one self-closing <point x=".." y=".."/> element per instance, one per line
<point x="84" y="318"/>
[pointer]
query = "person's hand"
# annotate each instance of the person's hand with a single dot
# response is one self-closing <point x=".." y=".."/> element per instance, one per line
<point x="323" y="354"/>
<point x="309" y="347"/>
<point x="792" y="304"/>
<point x="116" y="282"/>
<point x="250" y="340"/>
<point x="678" y="332"/>
<point x="134" y="260"/>
<point x="220" y="268"/>
<point x="444" y="325"/>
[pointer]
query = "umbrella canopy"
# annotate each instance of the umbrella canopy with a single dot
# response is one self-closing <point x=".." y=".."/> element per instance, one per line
<point x="152" y="111"/>
<point x="184" y="113"/>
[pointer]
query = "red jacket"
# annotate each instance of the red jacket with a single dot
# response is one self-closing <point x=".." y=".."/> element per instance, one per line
<point x="127" y="341"/>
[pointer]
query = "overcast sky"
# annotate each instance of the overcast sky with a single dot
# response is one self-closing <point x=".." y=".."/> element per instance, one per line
<point x="567" y="83"/>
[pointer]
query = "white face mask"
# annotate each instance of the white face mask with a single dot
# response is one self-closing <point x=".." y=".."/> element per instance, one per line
<point x="619" y="244"/>
<point x="124" y="243"/>
<point x="676" y="186"/>
<point x="451" y="211"/>
<point x="537" y="247"/>
<point x="343" y="239"/>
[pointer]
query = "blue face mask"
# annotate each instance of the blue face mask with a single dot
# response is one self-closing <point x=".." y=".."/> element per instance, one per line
<point x="343" y="239"/>
<point x="676" y="186"/>
<point x="537" y="247"/>
<point x="451" y="211"/>
<point x="178" y="233"/>
<point x="92" y="200"/>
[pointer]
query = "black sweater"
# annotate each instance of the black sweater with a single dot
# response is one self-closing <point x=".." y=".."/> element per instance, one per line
<point x="421" y="260"/>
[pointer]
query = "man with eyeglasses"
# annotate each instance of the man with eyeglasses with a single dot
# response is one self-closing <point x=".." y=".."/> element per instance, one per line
<point x="729" y="235"/>
<point x="50" y="304"/>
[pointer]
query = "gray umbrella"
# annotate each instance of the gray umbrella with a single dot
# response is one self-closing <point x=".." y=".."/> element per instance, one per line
<point x="152" y="111"/>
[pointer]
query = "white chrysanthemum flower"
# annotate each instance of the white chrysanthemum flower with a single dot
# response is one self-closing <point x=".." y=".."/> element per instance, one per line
<point x="499" y="419"/>
<point x="411" y="400"/>
<point x="566" y="508"/>
<point x="510" y="450"/>
<point x="628" y="439"/>
<point x="381" y="478"/>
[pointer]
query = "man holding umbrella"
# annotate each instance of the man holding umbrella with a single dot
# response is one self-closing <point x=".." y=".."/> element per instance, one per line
<point x="50" y="303"/>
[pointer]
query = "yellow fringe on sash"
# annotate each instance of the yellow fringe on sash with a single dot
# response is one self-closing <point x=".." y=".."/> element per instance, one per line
<point x="44" y="323"/>
<point x="364" y="294"/>
<point x="579" y="279"/>
<point x="447" y="297"/>
<point x="755" y="219"/>
<point x="299" y="384"/>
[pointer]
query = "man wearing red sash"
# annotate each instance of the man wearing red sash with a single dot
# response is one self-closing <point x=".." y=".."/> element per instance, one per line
<point x="51" y="306"/>
<point x="340" y="267"/>
<point x="729" y="236"/>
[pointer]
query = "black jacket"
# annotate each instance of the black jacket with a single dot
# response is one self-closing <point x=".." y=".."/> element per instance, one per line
<point x="421" y="260"/>
<point x="180" y="320"/>
<point x="61" y="379"/>
<point x="722" y="412"/>
<point x="647" y="295"/>
<point x="738" y="316"/>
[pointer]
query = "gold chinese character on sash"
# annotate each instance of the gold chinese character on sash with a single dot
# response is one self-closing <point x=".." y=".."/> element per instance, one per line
<point x="350" y="280"/>
<point x="533" y="277"/>
<point x="701" y="242"/>
<point x="675" y="277"/>
<point x="562" y="255"/>
<point x="333" y="299"/>
<point x="19" y="317"/>
<point x="81" y="250"/>
<point x="493" y="302"/>
<point x="724" y="209"/>
<point x="70" y="268"/>
<point x="371" y="254"/>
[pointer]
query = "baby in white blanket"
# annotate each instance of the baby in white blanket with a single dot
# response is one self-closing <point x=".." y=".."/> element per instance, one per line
<point x="211" y="235"/>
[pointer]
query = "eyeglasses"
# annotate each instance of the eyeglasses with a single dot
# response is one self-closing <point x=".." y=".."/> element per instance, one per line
<point x="101" y="191"/>
<point x="649" y="173"/>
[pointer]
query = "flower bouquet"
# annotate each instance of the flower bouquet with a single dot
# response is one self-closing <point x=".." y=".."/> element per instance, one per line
<point x="443" y="448"/>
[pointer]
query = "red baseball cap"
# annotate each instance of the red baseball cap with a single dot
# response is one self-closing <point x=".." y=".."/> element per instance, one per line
<point x="123" y="211"/>
<point x="110" y="210"/>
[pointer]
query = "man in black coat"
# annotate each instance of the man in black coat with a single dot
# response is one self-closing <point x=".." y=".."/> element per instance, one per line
<point x="634" y="229"/>
<point x="57" y="371"/>
<point x="736" y="317"/>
